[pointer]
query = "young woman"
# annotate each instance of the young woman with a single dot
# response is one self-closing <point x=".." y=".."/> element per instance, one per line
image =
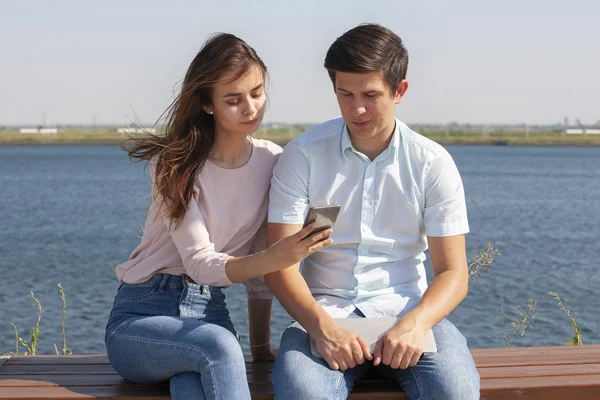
<point x="205" y="230"/>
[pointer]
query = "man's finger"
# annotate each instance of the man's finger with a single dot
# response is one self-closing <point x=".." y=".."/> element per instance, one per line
<point x="346" y="353"/>
<point x="331" y="362"/>
<point x="406" y="358"/>
<point x="364" y="346"/>
<point x="415" y="359"/>
<point x="378" y="352"/>
<point x="342" y="363"/>
<point x="388" y="353"/>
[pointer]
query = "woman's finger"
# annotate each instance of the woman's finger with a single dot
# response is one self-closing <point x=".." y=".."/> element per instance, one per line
<point x="319" y="245"/>
<point x="302" y="233"/>
<point x="317" y="237"/>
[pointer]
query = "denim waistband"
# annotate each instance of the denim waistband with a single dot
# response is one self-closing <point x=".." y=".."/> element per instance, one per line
<point x="164" y="282"/>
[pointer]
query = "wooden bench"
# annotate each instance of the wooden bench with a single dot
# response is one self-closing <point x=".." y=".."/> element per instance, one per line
<point x="564" y="372"/>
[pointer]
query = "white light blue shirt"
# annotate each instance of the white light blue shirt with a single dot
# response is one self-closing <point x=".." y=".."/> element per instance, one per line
<point x="388" y="208"/>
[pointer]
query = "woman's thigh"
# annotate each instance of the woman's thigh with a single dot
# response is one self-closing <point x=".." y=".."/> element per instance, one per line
<point x="153" y="349"/>
<point x="168" y="325"/>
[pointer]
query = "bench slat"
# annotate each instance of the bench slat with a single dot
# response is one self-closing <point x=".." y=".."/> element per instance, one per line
<point x="515" y="373"/>
<point x="145" y="392"/>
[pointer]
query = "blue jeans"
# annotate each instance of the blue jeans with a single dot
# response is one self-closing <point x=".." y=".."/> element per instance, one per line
<point x="169" y="329"/>
<point x="449" y="374"/>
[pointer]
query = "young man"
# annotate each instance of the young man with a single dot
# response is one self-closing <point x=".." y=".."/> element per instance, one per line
<point x="400" y="194"/>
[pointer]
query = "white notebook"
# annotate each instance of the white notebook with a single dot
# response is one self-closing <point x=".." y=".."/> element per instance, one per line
<point x="372" y="329"/>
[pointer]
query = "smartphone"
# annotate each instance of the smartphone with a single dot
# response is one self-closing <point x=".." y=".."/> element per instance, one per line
<point x="325" y="217"/>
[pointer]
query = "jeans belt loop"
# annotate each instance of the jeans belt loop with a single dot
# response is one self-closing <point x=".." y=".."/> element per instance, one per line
<point x="163" y="282"/>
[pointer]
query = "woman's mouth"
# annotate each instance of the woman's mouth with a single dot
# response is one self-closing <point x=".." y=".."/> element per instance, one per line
<point x="252" y="122"/>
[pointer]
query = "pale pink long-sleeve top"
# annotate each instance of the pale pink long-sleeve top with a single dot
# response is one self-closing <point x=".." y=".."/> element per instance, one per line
<point x="226" y="218"/>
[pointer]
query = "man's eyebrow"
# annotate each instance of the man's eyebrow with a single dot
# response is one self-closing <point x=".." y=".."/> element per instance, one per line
<point x="232" y="94"/>
<point x="343" y="90"/>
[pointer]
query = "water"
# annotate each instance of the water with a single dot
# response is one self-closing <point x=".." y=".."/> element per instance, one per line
<point x="68" y="214"/>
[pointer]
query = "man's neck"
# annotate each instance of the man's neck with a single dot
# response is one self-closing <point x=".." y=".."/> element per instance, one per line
<point x="374" y="146"/>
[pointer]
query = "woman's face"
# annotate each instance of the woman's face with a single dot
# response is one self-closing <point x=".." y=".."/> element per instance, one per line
<point x="238" y="106"/>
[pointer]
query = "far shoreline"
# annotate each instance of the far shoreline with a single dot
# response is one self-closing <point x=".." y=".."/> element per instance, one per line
<point x="280" y="136"/>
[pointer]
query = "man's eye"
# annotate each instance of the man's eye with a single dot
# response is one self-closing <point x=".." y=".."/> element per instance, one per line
<point x="346" y="94"/>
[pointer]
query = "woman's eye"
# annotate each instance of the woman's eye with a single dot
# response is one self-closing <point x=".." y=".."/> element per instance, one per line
<point x="257" y="95"/>
<point x="233" y="102"/>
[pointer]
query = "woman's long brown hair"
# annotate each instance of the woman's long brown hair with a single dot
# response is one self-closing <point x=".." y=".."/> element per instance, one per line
<point x="190" y="132"/>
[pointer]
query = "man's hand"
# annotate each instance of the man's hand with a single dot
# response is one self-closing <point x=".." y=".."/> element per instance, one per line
<point x="340" y="348"/>
<point x="400" y="347"/>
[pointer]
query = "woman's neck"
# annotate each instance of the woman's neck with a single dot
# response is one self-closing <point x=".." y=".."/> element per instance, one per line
<point x="231" y="151"/>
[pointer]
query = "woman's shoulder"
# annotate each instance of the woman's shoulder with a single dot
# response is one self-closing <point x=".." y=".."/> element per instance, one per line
<point x="267" y="148"/>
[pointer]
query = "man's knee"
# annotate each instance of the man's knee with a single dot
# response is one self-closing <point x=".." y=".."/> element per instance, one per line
<point x="456" y="379"/>
<point x="298" y="375"/>
<point x="451" y="372"/>
<point x="458" y="388"/>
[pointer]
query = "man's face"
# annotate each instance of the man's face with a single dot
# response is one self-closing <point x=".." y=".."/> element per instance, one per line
<point x="367" y="104"/>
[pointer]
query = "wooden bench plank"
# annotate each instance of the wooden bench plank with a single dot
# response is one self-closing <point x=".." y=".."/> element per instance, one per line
<point x="14" y="367"/>
<point x="511" y="351"/>
<point x="142" y="392"/>
<point x="517" y="373"/>
<point x="545" y="370"/>
<point x="63" y="380"/>
<point x="51" y="369"/>
<point x="545" y="359"/>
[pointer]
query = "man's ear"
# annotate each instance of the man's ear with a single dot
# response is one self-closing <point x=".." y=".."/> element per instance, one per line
<point x="401" y="91"/>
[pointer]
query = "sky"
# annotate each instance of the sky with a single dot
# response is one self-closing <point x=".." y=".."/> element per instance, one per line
<point x="480" y="62"/>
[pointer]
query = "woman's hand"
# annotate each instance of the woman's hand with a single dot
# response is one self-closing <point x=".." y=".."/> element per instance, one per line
<point x="295" y="248"/>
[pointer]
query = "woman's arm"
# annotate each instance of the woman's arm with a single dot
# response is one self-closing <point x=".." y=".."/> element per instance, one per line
<point x="207" y="266"/>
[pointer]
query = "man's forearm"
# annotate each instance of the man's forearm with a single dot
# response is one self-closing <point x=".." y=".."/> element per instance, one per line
<point x="293" y="293"/>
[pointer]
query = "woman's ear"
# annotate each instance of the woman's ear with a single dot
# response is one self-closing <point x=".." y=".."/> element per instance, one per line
<point x="208" y="109"/>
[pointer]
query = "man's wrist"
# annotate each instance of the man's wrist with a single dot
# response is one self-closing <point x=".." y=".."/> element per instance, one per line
<point x="320" y="322"/>
<point x="415" y="319"/>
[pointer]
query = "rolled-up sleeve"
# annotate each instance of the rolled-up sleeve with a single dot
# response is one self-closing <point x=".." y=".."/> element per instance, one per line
<point x="445" y="211"/>
<point x="200" y="260"/>
<point x="256" y="288"/>
<point x="288" y="197"/>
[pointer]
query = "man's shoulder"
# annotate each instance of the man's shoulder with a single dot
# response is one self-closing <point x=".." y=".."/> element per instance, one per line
<point x="419" y="145"/>
<point x="330" y="130"/>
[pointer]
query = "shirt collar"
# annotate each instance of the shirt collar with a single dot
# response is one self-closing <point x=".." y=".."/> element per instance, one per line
<point x="393" y="147"/>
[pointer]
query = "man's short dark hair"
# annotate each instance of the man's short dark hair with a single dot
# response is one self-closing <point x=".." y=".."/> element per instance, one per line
<point x="369" y="48"/>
